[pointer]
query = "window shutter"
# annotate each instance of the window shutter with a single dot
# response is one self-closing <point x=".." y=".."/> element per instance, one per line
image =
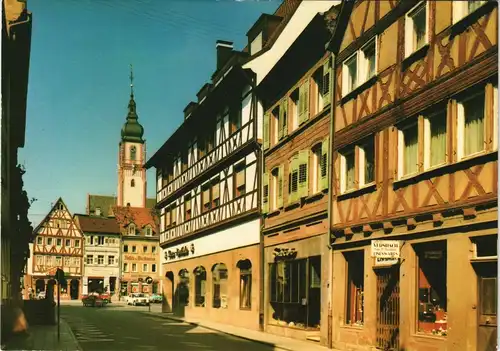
<point x="303" y="161"/>
<point x="280" y="187"/>
<point x="304" y="102"/>
<point x="324" y="164"/>
<point x="280" y="121"/>
<point x="265" y="131"/>
<point x="265" y="193"/>
<point x="326" y="83"/>
<point x="284" y="119"/>
<point x="293" y="174"/>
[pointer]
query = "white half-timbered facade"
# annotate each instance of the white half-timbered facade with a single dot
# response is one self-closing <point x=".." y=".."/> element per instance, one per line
<point x="207" y="191"/>
<point x="58" y="243"/>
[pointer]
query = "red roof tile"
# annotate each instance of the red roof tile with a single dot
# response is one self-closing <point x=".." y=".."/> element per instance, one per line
<point x="137" y="215"/>
<point x="97" y="224"/>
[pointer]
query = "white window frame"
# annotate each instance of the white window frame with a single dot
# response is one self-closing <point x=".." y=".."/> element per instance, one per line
<point x="427" y="140"/>
<point x="134" y="265"/>
<point x="362" y="162"/>
<point x="461" y="9"/>
<point x="111" y="262"/>
<point x="461" y="126"/>
<point x="91" y="259"/>
<point x="401" y="145"/>
<point x="409" y="32"/>
<point x="343" y="169"/>
<point x="98" y="257"/>
<point x="361" y="66"/>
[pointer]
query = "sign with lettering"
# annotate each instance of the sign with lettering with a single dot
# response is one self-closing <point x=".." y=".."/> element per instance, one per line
<point x="384" y="262"/>
<point x="284" y="253"/>
<point x="385" y="248"/>
<point x="179" y="252"/>
<point x="139" y="258"/>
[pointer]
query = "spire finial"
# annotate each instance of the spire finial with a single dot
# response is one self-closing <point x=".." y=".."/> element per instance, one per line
<point x="131" y="81"/>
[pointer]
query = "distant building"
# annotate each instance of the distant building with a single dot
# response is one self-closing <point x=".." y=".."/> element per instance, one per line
<point x="102" y="205"/>
<point x="58" y="243"/>
<point x="102" y="254"/>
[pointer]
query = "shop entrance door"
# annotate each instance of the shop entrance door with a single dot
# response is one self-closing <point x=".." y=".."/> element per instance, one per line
<point x="487" y="306"/>
<point x="388" y="308"/>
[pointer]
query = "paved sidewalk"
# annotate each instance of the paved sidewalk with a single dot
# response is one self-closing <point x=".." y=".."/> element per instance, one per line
<point x="279" y="342"/>
<point x="44" y="337"/>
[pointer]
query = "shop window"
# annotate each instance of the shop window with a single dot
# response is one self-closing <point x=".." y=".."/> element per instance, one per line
<point x="432" y="294"/>
<point x="295" y="292"/>
<point x="183" y="287"/>
<point x="355" y="287"/>
<point x="219" y="274"/>
<point x="245" y="267"/>
<point x="200" y="282"/>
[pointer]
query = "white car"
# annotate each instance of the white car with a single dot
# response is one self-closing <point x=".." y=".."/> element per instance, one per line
<point x="137" y="299"/>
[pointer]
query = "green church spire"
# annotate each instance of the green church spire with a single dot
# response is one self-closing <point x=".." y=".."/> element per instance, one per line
<point x="132" y="130"/>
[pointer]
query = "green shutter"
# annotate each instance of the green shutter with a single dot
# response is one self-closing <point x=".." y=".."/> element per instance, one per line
<point x="280" y="186"/>
<point x="265" y="193"/>
<point x="326" y="83"/>
<point x="280" y="123"/>
<point x="304" y="102"/>
<point x="293" y="174"/>
<point x="265" y="131"/>
<point x="303" y="162"/>
<point x="284" y="120"/>
<point x="324" y="164"/>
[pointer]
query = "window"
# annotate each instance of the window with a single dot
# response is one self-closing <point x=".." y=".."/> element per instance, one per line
<point x="220" y="289"/>
<point x="360" y="67"/>
<point x="283" y="118"/>
<point x="435" y="140"/>
<point x="67" y="261"/>
<point x="432" y="294"/>
<point x="184" y="160"/>
<point x="205" y="196"/>
<point x="131" y="229"/>
<point x="486" y="247"/>
<point x="67" y="242"/>
<point x="133" y="153"/>
<point x="275" y="125"/>
<point x="295" y="109"/>
<point x="39" y="260"/>
<point x="153" y="249"/>
<point x="134" y="267"/>
<point x="265" y="192"/>
<point x="100" y="259"/>
<point x="295" y="291"/>
<point x="277" y="187"/>
<point x="173" y="215"/>
<point x="235" y="118"/>
<point x="144" y="249"/>
<point x="76" y="261"/>
<point x="49" y="241"/>
<point x="367" y="162"/>
<point x="304" y="102"/>
<point x="90" y="259"/>
<point x="77" y="243"/>
<point x="316" y="168"/>
<point x="145" y="267"/>
<point x="132" y="183"/>
<point x="125" y="248"/>
<point x="153" y="267"/>
<point x="134" y="249"/>
<point x="128" y="204"/>
<point x="111" y="260"/>
<point x="408" y="149"/>
<point x="462" y="9"/>
<point x="187" y="207"/>
<point x="256" y="44"/>
<point x="245" y="267"/>
<point x="471" y="126"/>
<point x="355" y="287"/>
<point x="58" y="261"/>
<point x="298" y="177"/>
<point x="39" y="240"/>
<point x="239" y="179"/>
<point x="125" y="267"/>
<point x="348" y="171"/>
<point x="200" y="282"/>
<point x="416" y="29"/>
<point x="210" y="195"/>
<point x="100" y="240"/>
<point x="97" y="211"/>
<point x="183" y="287"/>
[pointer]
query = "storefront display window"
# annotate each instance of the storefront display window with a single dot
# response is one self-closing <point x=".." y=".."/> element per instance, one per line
<point x="219" y="274"/>
<point x="432" y="294"/>
<point x="355" y="287"/>
<point x="183" y="287"/>
<point x="245" y="267"/>
<point x="200" y="281"/>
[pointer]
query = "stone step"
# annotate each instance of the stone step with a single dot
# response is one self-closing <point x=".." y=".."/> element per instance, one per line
<point x="313" y="338"/>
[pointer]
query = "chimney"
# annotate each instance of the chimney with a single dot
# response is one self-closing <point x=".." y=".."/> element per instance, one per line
<point x="224" y="51"/>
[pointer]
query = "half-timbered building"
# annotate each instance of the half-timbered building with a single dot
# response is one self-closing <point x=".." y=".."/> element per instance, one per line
<point x="207" y="192"/>
<point x="415" y="175"/>
<point x="58" y="243"/>
<point x="296" y="126"/>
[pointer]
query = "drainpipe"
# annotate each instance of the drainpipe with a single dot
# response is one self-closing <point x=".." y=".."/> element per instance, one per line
<point x="330" y="191"/>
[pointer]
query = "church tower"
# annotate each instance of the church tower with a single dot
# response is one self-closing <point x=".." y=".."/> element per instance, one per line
<point x="131" y="158"/>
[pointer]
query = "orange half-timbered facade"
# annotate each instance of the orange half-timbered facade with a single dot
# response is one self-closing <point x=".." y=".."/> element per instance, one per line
<point x="415" y="162"/>
<point x="58" y="243"/>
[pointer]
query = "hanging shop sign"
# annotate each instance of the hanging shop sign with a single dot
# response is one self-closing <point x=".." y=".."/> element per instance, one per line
<point x="385" y="248"/>
<point x="284" y="253"/>
<point x="385" y="261"/>
<point x="179" y="252"/>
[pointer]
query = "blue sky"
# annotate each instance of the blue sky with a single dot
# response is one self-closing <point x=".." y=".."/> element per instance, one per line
<point x="79" y="86"/>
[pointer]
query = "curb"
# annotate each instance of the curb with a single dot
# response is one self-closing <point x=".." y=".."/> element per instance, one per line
<point x="276" y="347"/>
<point x="78" y="347"/>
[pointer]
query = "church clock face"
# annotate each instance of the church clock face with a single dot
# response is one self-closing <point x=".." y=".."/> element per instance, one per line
<point x="132" y="152"/>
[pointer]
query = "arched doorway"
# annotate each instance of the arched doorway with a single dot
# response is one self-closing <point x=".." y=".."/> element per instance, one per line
<point x="168" y="292"/>
<point x="182" y="292"/>
<point x="39" y="286"/>
<point x="74" y="289"/>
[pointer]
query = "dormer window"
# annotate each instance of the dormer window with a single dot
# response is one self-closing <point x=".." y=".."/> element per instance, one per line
<point x="131" y="229"/>
<point x="149" y="231"/>
<point x="256" y="44"/>
<point x="97" y="211"/>
<point x="133" y="152"/>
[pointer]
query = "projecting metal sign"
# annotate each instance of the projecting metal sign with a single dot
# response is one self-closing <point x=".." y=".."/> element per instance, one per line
<point x="385" y="248"/>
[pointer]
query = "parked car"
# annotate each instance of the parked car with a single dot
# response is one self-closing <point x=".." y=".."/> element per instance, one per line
<point x="41" y="295"/>
<point x="93" y="300"/>
<point x="155" y="298"/>
<point x="137" y="299"/>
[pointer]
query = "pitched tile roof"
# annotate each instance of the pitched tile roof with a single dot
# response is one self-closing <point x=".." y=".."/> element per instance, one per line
<point x="141" y="217"/>
<point x="95" y="224"/>
<point x="106" y="204"/>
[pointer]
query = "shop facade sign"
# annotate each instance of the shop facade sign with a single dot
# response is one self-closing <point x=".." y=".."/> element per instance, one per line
<point x="385" y="248"/>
